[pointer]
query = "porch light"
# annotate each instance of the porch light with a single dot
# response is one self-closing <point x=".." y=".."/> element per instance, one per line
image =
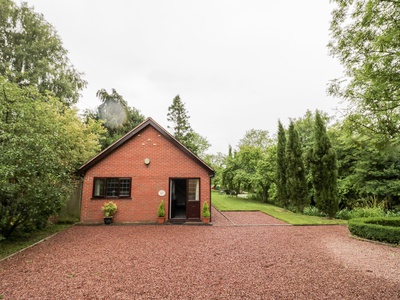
<point x="147" y="161"/>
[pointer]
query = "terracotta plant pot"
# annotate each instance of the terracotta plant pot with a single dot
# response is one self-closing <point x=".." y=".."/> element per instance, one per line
<point x="160" y="220"/>
<point x="205" y="220"/>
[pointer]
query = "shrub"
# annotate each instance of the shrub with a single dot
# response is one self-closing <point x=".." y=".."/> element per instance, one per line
<point x="379" y="229"/>
<point x="313" y="211"/>
<point x="206" y="210"/>
<point x="109" y="209"/>
<point x="161" y="209"/>
<point x="344" y="214"/>
<point x="360" y="212"/>
<point x="391" y="213"/>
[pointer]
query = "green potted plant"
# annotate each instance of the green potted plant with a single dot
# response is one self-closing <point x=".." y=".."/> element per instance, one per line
<point x="205" y="213"/>
<point x="109" y="209"/>
<point x="161" y="213"/>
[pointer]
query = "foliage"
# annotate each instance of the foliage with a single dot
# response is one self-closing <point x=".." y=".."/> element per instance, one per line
<point x="182" y="131"/>
<point x="322" y="159"/>
<point x="368" y="166"/>
<point x="205" y="212"/>
<point x="202" y="144"/>
<point x="379" y="229"/>
<point x="42" y="143"/>
<point x="360" y="212"/>
<point x="366" y="40"/>
<point x="117" y="117"/>
<point x="281" y="168"/>
<point x="109" y="209"/>
<point x="161" y="209"/>
<point x="252" y="167"/>
<point x="313" y="211"/>
<point x="256" y="138"/>
<point x="32" y="54"/>
<point x="296" y="184"/>
<point x="229" y="178"/>
<point x="217" y="162"/>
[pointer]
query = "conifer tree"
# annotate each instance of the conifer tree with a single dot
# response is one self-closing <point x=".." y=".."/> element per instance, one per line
<point x="296" y="183"/>
<point x="281" y="167"/>
<point x="323" y="165"/>
<point x="183" y="132"/>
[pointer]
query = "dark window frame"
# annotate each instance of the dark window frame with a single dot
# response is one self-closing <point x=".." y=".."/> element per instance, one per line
<point x="102" y="194"/>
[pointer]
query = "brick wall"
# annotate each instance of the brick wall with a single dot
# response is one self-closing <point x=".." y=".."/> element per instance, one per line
<point x="166" y="161"/>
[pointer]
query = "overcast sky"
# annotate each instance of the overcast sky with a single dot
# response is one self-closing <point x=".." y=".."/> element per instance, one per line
<point x="237" y="64"/>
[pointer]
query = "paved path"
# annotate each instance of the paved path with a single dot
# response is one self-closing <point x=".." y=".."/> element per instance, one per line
<point x="243" y="218"/>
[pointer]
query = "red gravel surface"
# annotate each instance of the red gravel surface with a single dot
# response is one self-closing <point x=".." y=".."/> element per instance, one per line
<point x="203" y="262"/>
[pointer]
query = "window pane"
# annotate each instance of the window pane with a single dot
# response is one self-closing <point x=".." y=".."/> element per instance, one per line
<point x="124" y="187"/>
<point x="98" y="188"/>
<point x="194" y="189"/>
<point x="112" y="187"/>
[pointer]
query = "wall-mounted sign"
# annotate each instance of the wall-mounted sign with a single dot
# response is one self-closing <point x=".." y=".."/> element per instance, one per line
<point x="161" y="193"/>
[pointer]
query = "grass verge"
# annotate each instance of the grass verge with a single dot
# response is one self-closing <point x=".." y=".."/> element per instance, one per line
<point x="15" y="244"/>
<point x="229" y="203"/>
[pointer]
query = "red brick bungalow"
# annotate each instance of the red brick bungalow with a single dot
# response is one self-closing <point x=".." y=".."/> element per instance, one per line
<point x="139" y="170"/>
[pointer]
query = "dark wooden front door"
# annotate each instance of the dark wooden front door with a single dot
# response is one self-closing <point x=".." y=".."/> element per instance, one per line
<point x="193" y="210"/>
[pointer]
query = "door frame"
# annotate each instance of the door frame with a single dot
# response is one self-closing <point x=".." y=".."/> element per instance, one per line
<point x="196" y="202"/>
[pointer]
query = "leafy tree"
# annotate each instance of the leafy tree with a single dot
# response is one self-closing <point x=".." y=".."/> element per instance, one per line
<point x="202" y="144"/>
<point x="182" y="131"/>
<point x="256" y="138"/>
<point x="281" y="168"/>
<point x="366" y="39"/>
<point x="322" y="158"/>
<point x="228" y="175"/>
<point x="42" y="143"/>
<point x="32" y="54"/>
<point x="296" y="183"/>
<point x="264" y="178"/>
<point x="118" y="118"/>
<point x="113" y="110"/>
<point x="368" y="166"/>
<point x="217" y="162"/>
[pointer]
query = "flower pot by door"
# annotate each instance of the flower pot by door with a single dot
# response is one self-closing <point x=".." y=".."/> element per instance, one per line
<point x="108" y="220"/>
<point x="160" y="220"/>
<point x="205" y="220"/>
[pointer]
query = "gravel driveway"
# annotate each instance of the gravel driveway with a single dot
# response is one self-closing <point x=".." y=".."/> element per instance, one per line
<point x="224" y="261"/>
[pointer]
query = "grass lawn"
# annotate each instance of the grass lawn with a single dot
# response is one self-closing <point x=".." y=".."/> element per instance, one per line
<point x="14" y="244"/>
<point x="232" y="203"/>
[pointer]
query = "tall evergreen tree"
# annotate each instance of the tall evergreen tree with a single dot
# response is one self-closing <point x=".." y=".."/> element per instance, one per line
<point x="296" y="183"/>
<point x="178" y="115"/>
<point x="324" y="169"/>
<point x="281" y="167"/>
<point x="183" y="132"/>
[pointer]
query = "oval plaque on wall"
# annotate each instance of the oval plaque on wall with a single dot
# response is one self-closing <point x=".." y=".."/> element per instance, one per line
<point x="161" y="193"/>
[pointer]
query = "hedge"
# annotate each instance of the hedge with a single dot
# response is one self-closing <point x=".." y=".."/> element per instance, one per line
<point x="378" y="228"/>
